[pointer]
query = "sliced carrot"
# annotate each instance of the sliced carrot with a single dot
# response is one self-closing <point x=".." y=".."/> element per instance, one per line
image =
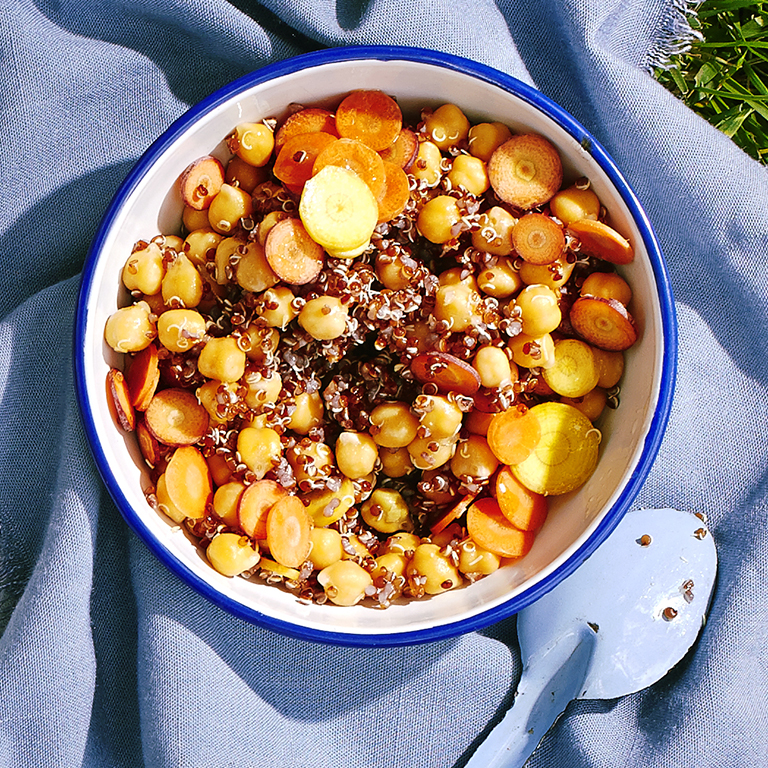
<point x="188" y="482"/>
<point x="396" y="193"/>
<point x="308" y="120"/>
<point x="513" y="435"/>
<point x="255" y="503"/>
<point x="201" y="181"/>
<point x="296" y="160"/>
<point x="292" y="254"/>
<point x="447" y="372"/>
<point x="369" y="116"/>
<point x="150" y="448"/>
<point x="522" y="507"/>
<point x="289" y="530"/>
<point x="575" y="371"/>
<point x="120" y="399"/>
<point x="403" y="151"/>
<point x="175" y="417"/>
<point x="525" y="171"/>
<point x="357" y="157"/>
<point x="454" y="513"/>
<point x="538" y="239"/>
<point x="599" y="240"/>
<point x="489" y="529"/>
<point x="604" y="323"/>
<point x="143" y="376"/>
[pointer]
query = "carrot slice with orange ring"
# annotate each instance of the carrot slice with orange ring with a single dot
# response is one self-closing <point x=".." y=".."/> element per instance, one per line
<point x="295" y="163"/>
<point x="357" y="157"/>
<point x="525" y="171"/>
<point x="120" y="398"/>
<point x="292" y="254"/>
<point x="513" y="435"/>
<point x="489" y="529"/>
<point x="520" y="505"/>
<point x="601" y="241"/>
<point x="143" y="376"/>
<point x="604" y="323"/>
<point x="396" y="192"/>
<point x="371" y="117"/>
<point x="538" y="239"/>
<point x="289" y="530"/>
<point x="454" y="513"/>
<point x="308" y="120"/>
<point x="255" y="503"/>
<point x="403" y="151"/>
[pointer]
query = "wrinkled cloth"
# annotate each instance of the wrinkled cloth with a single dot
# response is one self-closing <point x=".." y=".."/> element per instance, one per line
<point x="106" y="658"/>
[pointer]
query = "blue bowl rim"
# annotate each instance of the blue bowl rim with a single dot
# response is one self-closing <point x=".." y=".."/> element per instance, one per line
<point x="669" y="323"/>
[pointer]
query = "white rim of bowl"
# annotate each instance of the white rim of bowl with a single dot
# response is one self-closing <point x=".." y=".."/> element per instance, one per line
<point x="657" y="425"/>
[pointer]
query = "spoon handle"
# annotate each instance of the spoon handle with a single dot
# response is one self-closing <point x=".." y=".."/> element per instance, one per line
<point x="550" y="680"/>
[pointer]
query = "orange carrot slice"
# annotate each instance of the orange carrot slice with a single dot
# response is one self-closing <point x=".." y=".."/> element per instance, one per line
<point x="357" y="157"/>
<point x="188" y="482"/>
<point x="371" y="117"/>
<point x="489" y="529"/>
<point x="525" y="171"/>
<point x="403" y="151"/>
<point x="538" y="239"/>
<point x="308" y="120"/>
<point x="447" y="372"/>
<point x="396" y="192"/>
<point x="148" y="445"/>
<point x="604" y="323"/>
<point x="120" y="398"/>
<point x="255" y="503"/>
<point x="142" y="377"/>
<point x="454" y="513"/>
<point x="289" y="529"/>
<point x="201" y="181"/>
<point x="292" y="254"/>
<point x="601" y="241"/>
<point x="522" y="507"/>
<point x="513" y="435"/>
<point x="296" y="160"/>
<point x="175" y="417"/>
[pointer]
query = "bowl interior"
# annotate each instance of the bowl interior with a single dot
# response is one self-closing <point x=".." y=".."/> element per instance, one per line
<point x="149" y="204"/>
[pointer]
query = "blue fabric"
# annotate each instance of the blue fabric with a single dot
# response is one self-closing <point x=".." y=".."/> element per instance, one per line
<point x="106" y="659"/>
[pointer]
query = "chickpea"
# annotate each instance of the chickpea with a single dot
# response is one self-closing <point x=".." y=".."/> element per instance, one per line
<point x="311" y="461"/>
<point x="493" y="366"/>
<point x="144" y="270"/>
<point x="428" y="453"/>
<point x="222" y="359"/>
<point x="426" y="165"/>
<point x="193" y="219"/>
<point x="216" y="397"/>
<point x="326" y="506"/>
<point x="573" y="204"/>
<point x="262" y="388"/>
<point x="344" y="582"/>
<point x="435" y="485"/>
<point x="530" y="352"/>
<point x="470" y="173"/>
<point x="540" y="308"/>
<point x="607" y="285"/>
<point x="182" y="285"/>
<point x="457" y="276"/>
<point x="387" y="511"/>
<point x="439" y="415"/>
<point x="309" y="412"/>
<point x="219" y="469"/>
<point x="260" y="449"/>
<point x="395" y="271"/>
<point x="457" y="305"/>
<point x="326" y="547"/>
<point x="278" y="308"/>
<point x="591" y="404"/>
<point x="484" y="138"/>
<point x="252" y="271"/>
<point x="200" y="242"/>
<point x="393" y="425"/>
<point x="356" y="454"/>
<point x="226" y="500"/>
<point x="437" y="219"/>
<point x="241" y="174"/>
<point x="476" y="560"/>
<point x="553" y="275"/>
<point x="447" y="126"/>
<point x="610" y="367"/>
<point x="231" y="554"/>
<point x="230" y="205"/>
<point x="260" y="342"/>
<point x="476" y="422"/>
<point x="389" y="563"/>
<point x="180" y="329"/>
<point x="324" y="317"/>
<point x="395" y="462"/>
<point x="495" y="232"/>
<point x="130" y="329"/>
<point x="432" y="570"/>
<point x="354" y="549"/>
<point x="474" y="458"/>
<point x="501" y="280"/>
<point x="401" y="543"/>
<point x="253" y="142"/>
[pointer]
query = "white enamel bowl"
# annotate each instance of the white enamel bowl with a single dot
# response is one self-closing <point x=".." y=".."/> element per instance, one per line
<point x="148" y="203"/>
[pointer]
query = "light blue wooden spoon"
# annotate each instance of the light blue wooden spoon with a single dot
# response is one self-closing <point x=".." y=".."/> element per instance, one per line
<point x="618" y="624"/>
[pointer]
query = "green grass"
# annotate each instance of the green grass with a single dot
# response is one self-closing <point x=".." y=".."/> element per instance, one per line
<point x="724" y="76"/>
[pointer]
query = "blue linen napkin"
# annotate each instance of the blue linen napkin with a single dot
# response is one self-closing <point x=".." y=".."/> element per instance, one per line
<point x="106" y="659"/>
